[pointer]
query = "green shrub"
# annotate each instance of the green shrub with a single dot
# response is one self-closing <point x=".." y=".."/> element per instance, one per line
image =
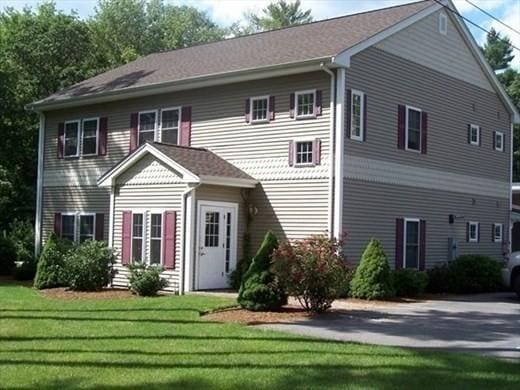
<point x="373" y="277"/>
<point x="7" y="256"/>
<point x="21" y="233"/>
<point x="88" y="266"/>
<point x="409" y="282"/>
<point x="260" y="289"/>
<point x="50" y="271"/>
<point x="467" y="274"/>
<point x="26" y="269"/>
<point x="146" y="281"/>
<point x="311" y="270"/>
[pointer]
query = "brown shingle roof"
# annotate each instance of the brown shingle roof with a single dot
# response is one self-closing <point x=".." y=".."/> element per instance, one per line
<point x="312" y="41"/>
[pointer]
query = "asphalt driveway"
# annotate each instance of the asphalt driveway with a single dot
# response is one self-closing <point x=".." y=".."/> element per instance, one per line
<point x="486" y="324"/>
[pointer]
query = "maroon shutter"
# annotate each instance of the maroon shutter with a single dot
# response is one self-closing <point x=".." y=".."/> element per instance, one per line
<point x="57" y="224"/>
<point x="494" y="139"/>
<point x="349" y="110"/>
<point x="399" y="237"/>
<point x="271" y="108"/>
<point x="100" y="227"/>
<point x="126" y="247"/>
<point x="469" y="134"/>
<point x="504" y="144"/>
<point x="424" y="132"/>
<point x="467" y="231"/>
<point x="422" y="245"/>
<point x="291" y="153"/>
<point x="401" y="122"/>
<point x="492" y="232"/>
<point x="103" y="135"/>
<point x="169" y="235"/>
<point x="317" y="103"/>
<point x="291" y="105"/>
<point x="61" y="139"/>
<point x="365" y="99"/>
<point x="134" y="118"/>
<point x="317" y="151"/>
<point x="186" y="126"/>
<point x="479" y="136"/>
<point x="247" y="111"/>
<point x="478" y="232"/>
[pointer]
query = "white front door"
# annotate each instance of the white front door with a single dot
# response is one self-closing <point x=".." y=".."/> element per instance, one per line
<point x="216" y="244"/>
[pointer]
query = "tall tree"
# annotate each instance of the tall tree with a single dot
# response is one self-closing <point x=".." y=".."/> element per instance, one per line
<point x="277" y="15"/>
<point x="498" y="50"/>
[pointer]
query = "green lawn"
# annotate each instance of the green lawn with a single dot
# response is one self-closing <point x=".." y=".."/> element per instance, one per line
<point x="162" y="343"/>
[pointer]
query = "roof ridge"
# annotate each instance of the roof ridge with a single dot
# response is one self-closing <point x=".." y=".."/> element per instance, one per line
<point x="287" y="27"/>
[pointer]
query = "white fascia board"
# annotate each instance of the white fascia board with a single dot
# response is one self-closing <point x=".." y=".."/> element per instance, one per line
<point x="228" y="181"/>
<point x="107" y="180"/>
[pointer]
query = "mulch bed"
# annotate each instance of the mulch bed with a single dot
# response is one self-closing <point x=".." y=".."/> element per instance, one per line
<point x="108" y="293"/>
<point x="245" y="317"/>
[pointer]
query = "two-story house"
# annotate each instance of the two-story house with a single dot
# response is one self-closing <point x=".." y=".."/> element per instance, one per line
<point x="386" y="124"/>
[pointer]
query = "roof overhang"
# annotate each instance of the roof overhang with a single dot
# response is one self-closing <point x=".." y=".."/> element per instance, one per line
<point x="185" y="84"/>
<point x="109" y="178"/>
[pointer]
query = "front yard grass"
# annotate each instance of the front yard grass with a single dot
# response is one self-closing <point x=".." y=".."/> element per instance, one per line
<point x="161" y="343"/>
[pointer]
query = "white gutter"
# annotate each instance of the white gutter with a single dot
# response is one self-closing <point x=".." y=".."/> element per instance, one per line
<point x="330" y="225"/>
<point x="39" y="189"/>
<point x="339" y="148"/>
<point x="186" y="240"/>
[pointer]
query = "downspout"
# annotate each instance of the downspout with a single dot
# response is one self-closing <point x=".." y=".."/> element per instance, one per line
<point x="330" y="223"/>
<point x="39" y="188"/>
<point x="339" y="154"/>
<point x="185" y="244"/>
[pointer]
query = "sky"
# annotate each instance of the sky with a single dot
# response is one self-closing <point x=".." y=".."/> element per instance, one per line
<point x="225" y="12"/>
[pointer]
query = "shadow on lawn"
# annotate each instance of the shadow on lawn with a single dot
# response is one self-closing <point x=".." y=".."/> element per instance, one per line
<point x="96" y="319"/>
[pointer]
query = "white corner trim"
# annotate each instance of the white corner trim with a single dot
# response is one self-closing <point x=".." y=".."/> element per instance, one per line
<point x="187" y="241"/>
<point x="339" y="155"/>
<point x="111" y="217"/>
<point x="39" y="188"/>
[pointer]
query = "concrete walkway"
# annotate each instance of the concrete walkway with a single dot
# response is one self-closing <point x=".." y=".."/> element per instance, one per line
<point x="486" y="324"/>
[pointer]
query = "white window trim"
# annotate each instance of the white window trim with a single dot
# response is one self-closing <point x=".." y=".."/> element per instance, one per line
<point x="158" y="123"/>
<point x="472" y="127"/>
<point x="83" y="134"/>
<point x="406" y="130"/>
<point x="476" y="224"/>
<point x="161" y="239"/>
<point x="254" y="98"/>
<point x="77" y="215"/>
<point x="406" y="220"/>
<point x="78" y="134"/>
<point x="296" y="141"/>
<point x="147" y="131"/>
<point x="501" y="237"/>
<point x="443" y="24"/>
<point x="362" y="118"/>
<point x="298" y="93"/>
<point x="501" y="135"/>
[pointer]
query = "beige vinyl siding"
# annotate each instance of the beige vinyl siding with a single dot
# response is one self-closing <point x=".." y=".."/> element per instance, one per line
<point x="73" y="199"/>
<point x="389" y="80"/>
<point x="423" y="44"/>
<point x="372" y="208"/>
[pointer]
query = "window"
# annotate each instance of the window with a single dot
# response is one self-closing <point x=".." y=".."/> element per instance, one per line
<point x="356" y="115"/>
<point x="259" y="109"/>
<point x="413" y="129"/>
<point x="497" y="232"/>
<point x="68" y="227"/>
<point x="90" y="136"/>
<point x="211" y="236"/>
<point x="473" y="231"/>
<point x="304" y="152"/>
<point x="71" y="139"/>
<point x="474" y="135"/>
<point x="137" y="237"/>
<point x="443" y="24"/>
<point x="86" y="227"/>
<point x="146" y="126"/>
<point x="155" y="238"/>
<point x="499" y="141"/>
<point x="411" y="243"/>
<point x="170" y="126"/>
<point x="305" y="104"/>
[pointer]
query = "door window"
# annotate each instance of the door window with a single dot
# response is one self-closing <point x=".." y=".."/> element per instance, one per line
<point x="211" y="236"/>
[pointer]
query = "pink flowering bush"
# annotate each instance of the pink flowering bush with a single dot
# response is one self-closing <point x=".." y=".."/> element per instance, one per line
<point x="312" y="270"/>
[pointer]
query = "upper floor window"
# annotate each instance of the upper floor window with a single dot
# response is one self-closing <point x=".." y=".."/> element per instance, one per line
<point x="71" y="136"/>
<point x="305" y="103"/>
<point x="259" y="109"/>
<point x="443" y="23"/>
<point x="413" y="129"/>
<point x="356" y="115"/>
<point x="473" y="231"/>
<point x="146" y="126"/>
<point x="499" y="141"/>
<point x="497" y="232"/>
<point x="90" y="133"/>
<point x="474" y="135"/>
<point x="304" y="152"/>
<point x="170" y="119"/>
<point x="411" y="243"/>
